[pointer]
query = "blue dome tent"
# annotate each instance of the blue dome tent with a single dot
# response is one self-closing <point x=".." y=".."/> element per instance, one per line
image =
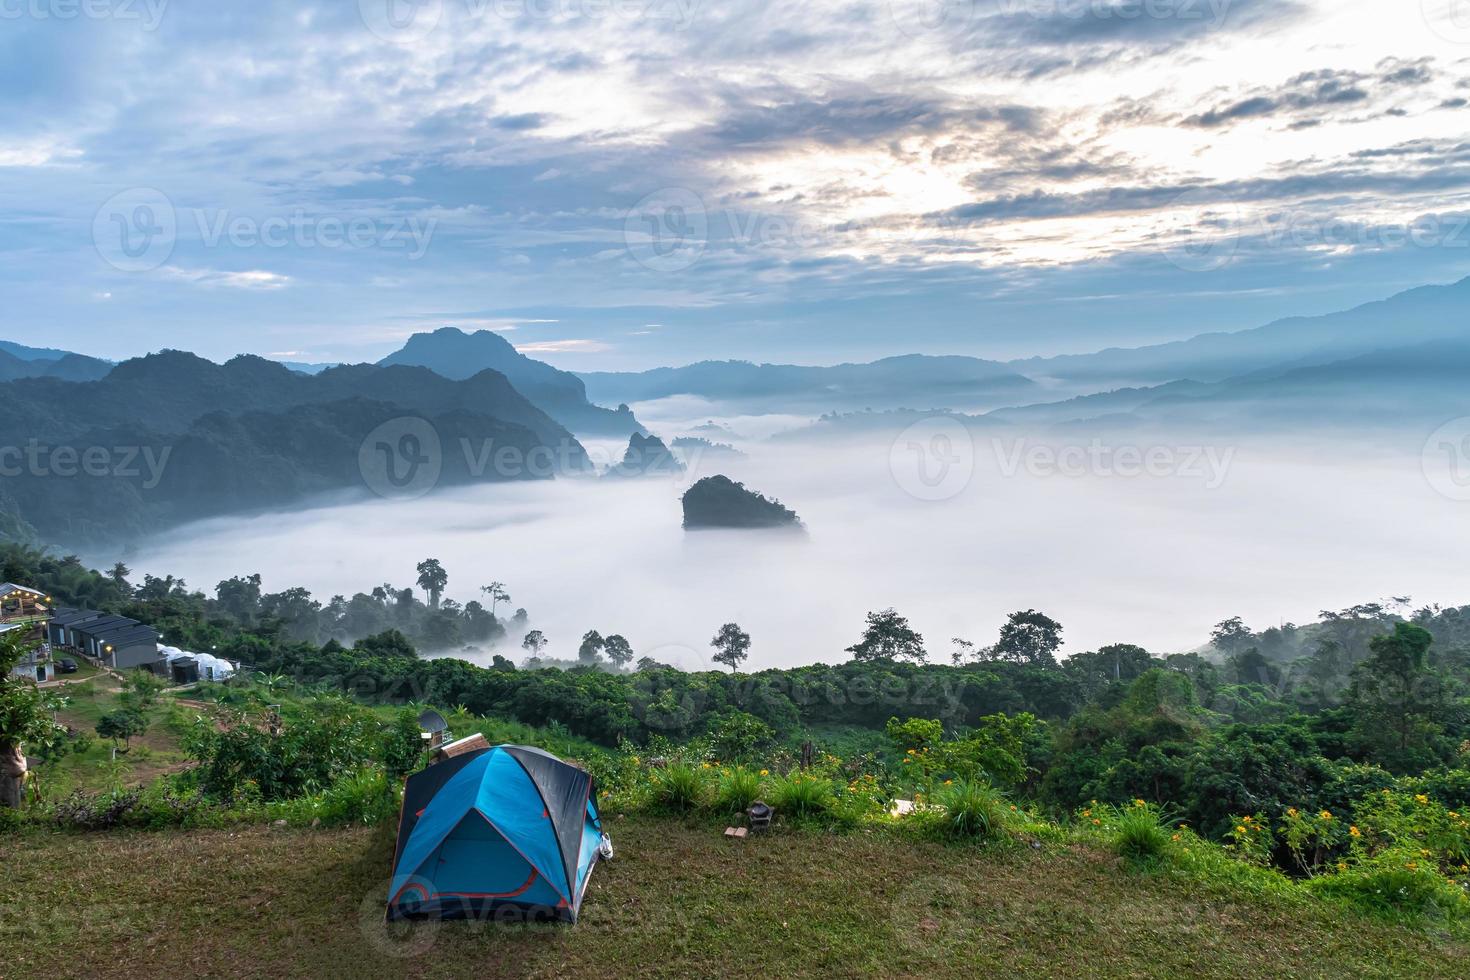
<point x="503" y="827"/>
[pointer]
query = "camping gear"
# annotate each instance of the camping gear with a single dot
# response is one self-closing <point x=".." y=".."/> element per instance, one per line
<point x="509" y="830"/>
<point x="465" y="746"/>
<point x="760" y="815"/>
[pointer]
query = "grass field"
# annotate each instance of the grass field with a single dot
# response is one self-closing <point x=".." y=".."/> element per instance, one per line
<point x="678" y="901"/>
<point x="151" y="754"/>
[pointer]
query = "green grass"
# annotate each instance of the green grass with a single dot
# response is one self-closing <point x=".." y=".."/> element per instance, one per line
<point x="678" y="901"/>
<point x="155" y="752"/>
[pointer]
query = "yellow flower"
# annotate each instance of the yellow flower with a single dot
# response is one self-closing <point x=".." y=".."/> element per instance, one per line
<point x="1175" y="837"/>
<point x="1325" y="815"/>
<point x="765" y="772"/>
<point x="1424" y="852"/>
<point x="1355" y="832"/>
<point x="1291" y="812"/>
<point x="1412" y="866"/>
<point x="1421" y="799"/>
<point x="1342" y="866"/>
<point x="1138" y="803"/>
<point x="949" y="782"/>
<point x="1013" y="806"/>
<point x="1245" y="819"/>
<point x="1240" y="829"/>
<point x="1087" y="813"/>
<point x="1096" y="822"/>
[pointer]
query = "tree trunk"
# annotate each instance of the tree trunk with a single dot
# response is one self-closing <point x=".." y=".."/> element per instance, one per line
<point x="12" y="776"/>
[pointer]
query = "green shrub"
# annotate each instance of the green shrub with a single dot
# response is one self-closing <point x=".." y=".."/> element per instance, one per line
<point x="679" y="787"/>
<point x="972" y="809"/>
<point x="801" y="796"/>
<point x="739" y="788"/>
<point x="1395" y="883"/>
<point x="1141" y="833"/>
<point x="364" y="798"/>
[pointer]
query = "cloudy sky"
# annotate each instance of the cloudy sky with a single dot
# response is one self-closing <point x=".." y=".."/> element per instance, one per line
<point x="623" y="183"/>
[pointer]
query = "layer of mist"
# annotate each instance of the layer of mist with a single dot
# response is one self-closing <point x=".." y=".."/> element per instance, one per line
<point x="1143" y="541"/>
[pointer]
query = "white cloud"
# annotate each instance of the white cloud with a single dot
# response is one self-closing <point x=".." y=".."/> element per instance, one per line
<point x="248" y="279"/>
<point x="563" y="347"/>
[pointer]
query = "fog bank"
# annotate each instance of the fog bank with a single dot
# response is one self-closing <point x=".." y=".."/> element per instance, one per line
<point x="1116" y="552"/>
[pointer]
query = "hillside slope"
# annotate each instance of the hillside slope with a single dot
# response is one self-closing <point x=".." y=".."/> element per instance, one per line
<point x="909" y="381"/>
<point x="1422" y="315"/>
<point x="454" y="354"/>
<point x="676" y="902"/>
<point x="178" y="437"/>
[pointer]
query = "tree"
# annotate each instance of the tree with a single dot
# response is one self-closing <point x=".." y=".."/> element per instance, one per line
<point x="1231" y="636"/>
<point x="240" y="597"/>
<point x="618" y="649"/>
<point x="535" y="642"/>
<point x="590" y="647"/>
<point x="889" y="637"/>
<point x="732" y="646"/>
<point x="122" y="726"/>
<point x="144" y="687"/>
<point x="432" y="579"/>
<point x="119" y="576"/>
<point x="1398" y="699"/>
<point x="963" y="650"/>
<point x="389" y="643"/>
<point x="26" y="714"/>
<point x="1029" y="638"/>
<point x="496" y="593"/>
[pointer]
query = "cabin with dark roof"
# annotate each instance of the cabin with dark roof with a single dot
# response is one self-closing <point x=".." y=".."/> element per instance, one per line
<point x="113" y="641"/>
<point x="29" y="611"/>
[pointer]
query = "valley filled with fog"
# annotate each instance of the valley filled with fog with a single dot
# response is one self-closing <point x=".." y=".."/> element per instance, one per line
<point x="953" y="528"/>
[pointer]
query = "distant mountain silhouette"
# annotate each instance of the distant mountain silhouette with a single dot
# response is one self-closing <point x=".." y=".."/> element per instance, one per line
<point x="720" y="502"/>
<point x="646" y="456"/>
<point x="912" y="380"/>
<point x="65" y="366"/>
<point x="455" y="354"/>
<point x="249" y="434"/>
<point x="32" y="353"/>
<point x="1428" y="313"/>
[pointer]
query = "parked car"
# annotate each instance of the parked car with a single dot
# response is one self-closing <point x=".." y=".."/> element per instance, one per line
<point x="66" y="665"/>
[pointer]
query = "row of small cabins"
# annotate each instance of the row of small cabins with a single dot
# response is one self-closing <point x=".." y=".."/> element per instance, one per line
<point x="107" y="640"/>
